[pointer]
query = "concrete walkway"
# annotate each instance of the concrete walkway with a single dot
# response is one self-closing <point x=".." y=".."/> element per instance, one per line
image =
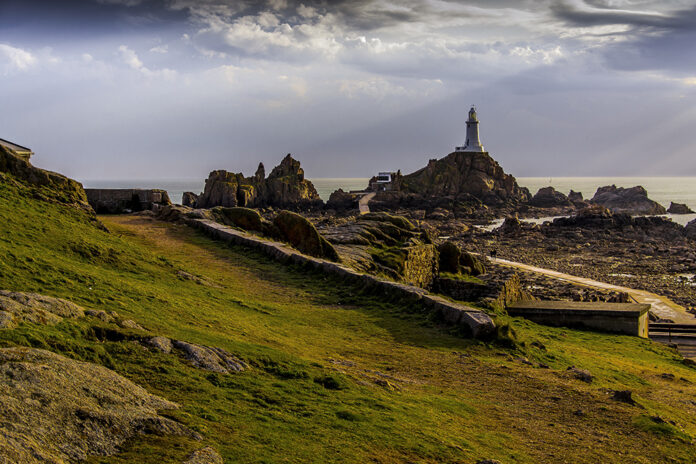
<point x="662" y="307"/>
<point x="363" y="203"/>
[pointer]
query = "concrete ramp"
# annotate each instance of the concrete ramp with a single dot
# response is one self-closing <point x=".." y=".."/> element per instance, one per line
<point x="363" y="203"/>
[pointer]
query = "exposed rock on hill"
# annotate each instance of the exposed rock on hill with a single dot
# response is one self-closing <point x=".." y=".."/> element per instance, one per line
<point x="462" y="174"/>
<point x="55" y="410"/>
<point x="632" y="200"/>
<point x="679" y="208"/>
<point x="385" y="244"/>
<point x="549" y="197"/>
<point x="48" y="185"/>
<point x="16" y="307"/>
<point x="284" y="187"/>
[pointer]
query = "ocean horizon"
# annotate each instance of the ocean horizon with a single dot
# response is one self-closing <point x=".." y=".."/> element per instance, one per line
<point x="661" y="189"/>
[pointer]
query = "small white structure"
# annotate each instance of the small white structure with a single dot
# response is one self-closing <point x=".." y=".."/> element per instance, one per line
<point x="473" y="144"/>
<point x="384" y="177"/>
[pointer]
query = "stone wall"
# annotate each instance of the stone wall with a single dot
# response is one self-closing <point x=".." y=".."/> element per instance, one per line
<point x="473" y="322"/>
<point x="115" y="201"/>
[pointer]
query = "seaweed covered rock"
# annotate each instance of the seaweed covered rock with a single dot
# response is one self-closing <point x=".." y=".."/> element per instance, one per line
<point x="55" y="409"/>
<point x="301" y="234"/>
<point x="285" y="187"/>
<point x="47" y="185"/>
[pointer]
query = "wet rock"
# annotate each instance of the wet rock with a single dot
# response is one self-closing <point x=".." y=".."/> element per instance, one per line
<point x="207" y="455"/>
<point x="632" y="200"/>
<point x="212" y="359"/>
<point x="38" y="309"/>
<point x="55" y="409"/>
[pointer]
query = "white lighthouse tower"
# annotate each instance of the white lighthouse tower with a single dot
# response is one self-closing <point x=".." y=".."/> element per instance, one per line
<point x="473" y="144"/>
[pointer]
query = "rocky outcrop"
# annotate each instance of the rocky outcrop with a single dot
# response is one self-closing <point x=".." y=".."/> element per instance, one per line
<point x="302" y="234"/>
<point x="48" y="185"/>
<point x="381" y="243"/>
<point x="285" y="187"/>
<point x="576" y="197"/>
<point x="211" y="359"/>
<point x="207" y="455"/>
<point x="118" y="201"/>
<point x="342" y="201"/>
<point x="189" y="199"/>
<point x="464" y="175"/>
<point x="54" y="409"/>
<point x="690" y="229"/>
<point x="17" y="307"/>
<point x="632" y="200"/>
<point x="679" y="208"/>
<point x="549" y="197"/>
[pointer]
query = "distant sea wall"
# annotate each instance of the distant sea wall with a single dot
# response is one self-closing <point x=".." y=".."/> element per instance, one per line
<point x="115" y="201"/>
<point x="474" y="322"/>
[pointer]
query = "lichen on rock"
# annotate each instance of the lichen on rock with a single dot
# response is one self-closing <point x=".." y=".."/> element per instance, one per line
<point x="16" y="307"/>
<point x="55" y="410"/>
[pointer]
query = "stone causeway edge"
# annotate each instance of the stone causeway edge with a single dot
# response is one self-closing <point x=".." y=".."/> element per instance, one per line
<point x="475" y="322"/>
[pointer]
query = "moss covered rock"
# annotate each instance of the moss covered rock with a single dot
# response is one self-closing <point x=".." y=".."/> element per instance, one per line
<point x="300" y="233"/>
<point x="449" y="257"/>
<point x="247" y="219"/>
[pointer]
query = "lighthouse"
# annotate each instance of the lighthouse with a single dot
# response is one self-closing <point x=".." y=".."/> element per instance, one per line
<point x="473" y="144"/>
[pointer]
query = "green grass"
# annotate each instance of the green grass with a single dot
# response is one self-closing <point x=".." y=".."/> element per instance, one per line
<point x="336" y="374"/>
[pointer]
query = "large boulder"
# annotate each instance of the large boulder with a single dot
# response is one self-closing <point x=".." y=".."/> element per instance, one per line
<point x="690" y="229"/>
<point x="54" y="409"/>
<point x="632" y="200"/>
<point x="464" y="174"/>
<point x="456" y="261"/>
<point x="285" y="187"/>
<point x="679" y="208"/>
<point x="302" y="234"/>
<point x="245" y="218"/>
<point x="549" y="197"/>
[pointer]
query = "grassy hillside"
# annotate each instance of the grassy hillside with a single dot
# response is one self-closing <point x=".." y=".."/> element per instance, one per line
<point x="336" y="375"/>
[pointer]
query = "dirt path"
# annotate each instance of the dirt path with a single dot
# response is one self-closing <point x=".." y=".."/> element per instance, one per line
<point x="662" y="306"/>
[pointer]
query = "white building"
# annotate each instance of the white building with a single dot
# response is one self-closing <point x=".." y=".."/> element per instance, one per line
<point x="473" y="144"/>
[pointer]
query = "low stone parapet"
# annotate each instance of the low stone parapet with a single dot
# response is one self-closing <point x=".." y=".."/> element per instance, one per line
<point x="116" y="201"/>
<point x="623" y="318"/>
<point x="474" y="322"/>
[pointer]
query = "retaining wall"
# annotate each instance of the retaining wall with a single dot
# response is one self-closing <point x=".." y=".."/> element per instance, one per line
<point x="475" y="322"/>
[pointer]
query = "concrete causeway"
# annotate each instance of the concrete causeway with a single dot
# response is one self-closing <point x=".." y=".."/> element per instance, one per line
<point x="662" y="306"/>
<point x="363" y="203"/>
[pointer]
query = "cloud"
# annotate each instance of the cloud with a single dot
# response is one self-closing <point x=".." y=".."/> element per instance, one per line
<point x="131" y="58"/>
<point x="16" y="58"/>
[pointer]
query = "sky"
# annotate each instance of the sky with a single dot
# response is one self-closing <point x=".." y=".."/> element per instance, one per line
<point x="157" y="89"/>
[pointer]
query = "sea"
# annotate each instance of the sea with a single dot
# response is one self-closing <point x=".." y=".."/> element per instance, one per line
<point x="661" y="189"/>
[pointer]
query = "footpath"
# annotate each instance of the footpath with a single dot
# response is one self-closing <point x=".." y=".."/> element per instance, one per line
<point x="661" y="306"/>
